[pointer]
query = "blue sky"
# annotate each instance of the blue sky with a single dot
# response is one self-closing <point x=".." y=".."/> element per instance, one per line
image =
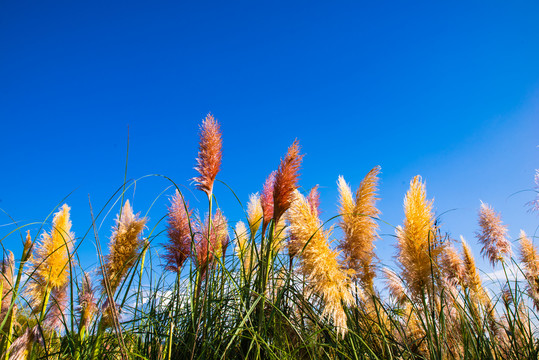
<point x="449" y="91"/>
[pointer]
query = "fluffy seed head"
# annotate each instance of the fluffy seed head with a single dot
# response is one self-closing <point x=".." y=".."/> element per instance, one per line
<point x="6" y="280"/>
<point x="529" y="257"/>
<point x="314" y="199"/>
<point x="534" y="204"/>
<point x="493" y="235"/>
<point x="242" y="246"/>
<point x="254" y="213"/>
<point x="416" y="238"/>
<point x="178" y="249"/>
<point x="453" y="266"/>
<point x="359" y="227"/>
<point x="318" y="261"/>
<point x="49" y="264"/>
<point x="286" y="180"/>
<point x="54" y="320"/>
<point x="394" y="285"/>
<point x="212" y="243"/>
<point x="471" y="278"/>
<point x="266" y="199"/>
<point x="124" y="245"/>
<point x="209" y="154"/>
<point x="87" y="303"/>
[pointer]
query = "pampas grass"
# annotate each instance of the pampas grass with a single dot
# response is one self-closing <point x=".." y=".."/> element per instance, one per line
<point x="181" y="293"/>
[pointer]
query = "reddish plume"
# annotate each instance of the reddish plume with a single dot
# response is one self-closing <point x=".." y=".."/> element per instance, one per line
<point x="266" y="198"/>
<point x="209" y="154"/>
<point x="286" y="180"/>
<point x="178" y="249"/>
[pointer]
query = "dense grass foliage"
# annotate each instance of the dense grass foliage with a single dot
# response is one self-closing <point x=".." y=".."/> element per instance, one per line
<point x="274" y="286"/>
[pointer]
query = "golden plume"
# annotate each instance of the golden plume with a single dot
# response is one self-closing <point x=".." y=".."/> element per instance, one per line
<point x="87" y="303"/>
<point x="49" y="264"/>
<point x="359" y="227"/>
<point x="254" y="213"/>
<point x="529" y="257"/>
<point x="209" y="154"/>
<point x="242" y="246"/>
<point x="318" y="261"/>
<point x="124" y="245"/>
<point x="493" y="235"/>
<point x="416" y="238"/>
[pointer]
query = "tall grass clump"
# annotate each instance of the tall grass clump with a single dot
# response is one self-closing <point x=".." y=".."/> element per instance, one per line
<point x="283" y="282"/>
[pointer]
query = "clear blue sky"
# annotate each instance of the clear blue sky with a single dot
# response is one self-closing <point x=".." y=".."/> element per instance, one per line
<point x="449" y="91"/>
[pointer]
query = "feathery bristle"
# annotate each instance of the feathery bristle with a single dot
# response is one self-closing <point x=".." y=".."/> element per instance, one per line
<point x="20" y="348"/>
<point x="254" y="213"/>
<point x="50" y="259"/>
<point x="266" y="199"/>
<point x="178" y="249"/>
<point x="394" y="285"/>
<point x="318" y="261"/>
<point x="242" y="246"/>
<point x="416" y="238"/>
<point x="493" y="235"/>
<point x="453" y="266"/>
<point x="314" y="200"/>
<point x="6" y="281"/>
<point x="359" y="227"/>
<point x="54" y="320"/>
<point x="471" y="278"/>
<point x="87" y="303"/>
<point x="124" y="245"/>
<point x="209" y="154"/>
<point x="286" y="180"/>
<point x="529" y="257"/>
<point x="212" y="244"/>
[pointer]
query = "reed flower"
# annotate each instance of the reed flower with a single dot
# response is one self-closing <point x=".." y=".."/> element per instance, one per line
<point x="493" y="235"/>
<point x="471" y="278"/>
<point x="359" y="226"/>
<point x="21" y="347"/>
<point x="453" y="266"/>
<point x="416" y="238"/>
<point x="314" y="199"/>
<point x="54" y="320"/>
<point x="529" y="258"/>
<point x="212" y="241"/>
<point x="6" y="284"/>
<point x="178" y="249"/>
<point x="318" y="261"/>
<point x="266" y="199"/>
<point x="286" y="179"/>
<point x="87" y="307"/>
<point x="124" y="245"/>
<point x="209" y="154"/>
<point x="50" y="259"/>
<point x="242" y="245"/>
<point x="395" y="285"/>
<point x="255" y="213"/>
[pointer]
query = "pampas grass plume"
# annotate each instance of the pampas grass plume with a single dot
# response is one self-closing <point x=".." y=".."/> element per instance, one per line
<point x="124" y="245"/>
<point x="286" y="179"/>
<point x="529" y="258"/>
<point x="318" y="261"/>
<point x="493" y="235"/>
<point x="209" y="154"/>
<point x="254" y="213"/>
<point x="178" y="249"/>
<point x="359" y="226"/>
<point x="415" y="237"/>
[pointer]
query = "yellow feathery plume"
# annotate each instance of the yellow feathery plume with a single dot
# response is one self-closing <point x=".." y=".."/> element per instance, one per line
<point x="242" y="245"/>
<point x="416" y="238"/>
<point x="359" y="226"/>
<point x="87" y="303"/>
<point x="471" y="279"/>
<point x="318" y="261"/>
<point x="529" y="257"/>
<point x="124" y="245"/>
<point x="254" y="213"/>
<point x="50" y="259"/>
<point x="493" y="235"/>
